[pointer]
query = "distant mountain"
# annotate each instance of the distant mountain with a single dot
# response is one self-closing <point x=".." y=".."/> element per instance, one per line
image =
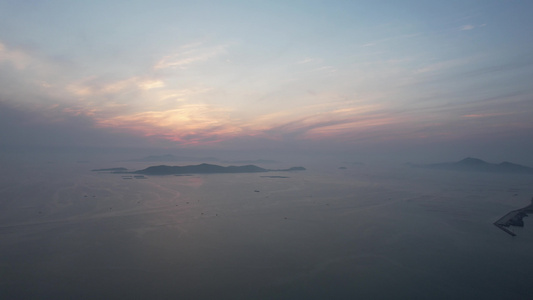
<point x="206" y="169"/>
<point x="471" y="164"/>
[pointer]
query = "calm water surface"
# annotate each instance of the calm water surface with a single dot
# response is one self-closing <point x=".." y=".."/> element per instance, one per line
<point x="367" y="233"/>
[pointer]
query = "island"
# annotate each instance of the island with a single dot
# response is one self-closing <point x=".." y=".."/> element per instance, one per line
<point x="514" y="218"/>
<point x="207" y="169"/>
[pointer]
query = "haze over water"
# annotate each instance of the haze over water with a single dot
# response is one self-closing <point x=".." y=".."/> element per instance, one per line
<point x="361" y="232"/>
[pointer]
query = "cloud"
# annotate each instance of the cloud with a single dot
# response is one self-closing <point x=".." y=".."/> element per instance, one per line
<point x="29" y="77"/>
<point x="99" y="86"/>
<point x="483" y="115"/>
<point x="471" y="27"/>
<point x="467" y="27"/>
<point x="19" y="59"/>
<point x="331" y="123"/>
<point x="188" y="55"/>
<point x="325" y="69"/>
<point x="113" y="98"/>
<point x="389" y="39"/>
<point x="152" y="105"/>
<point x="443" y="65"/>
<point x="190" y="123"/>
<point x="308" y="60"/>
<point x="27" y="126"/>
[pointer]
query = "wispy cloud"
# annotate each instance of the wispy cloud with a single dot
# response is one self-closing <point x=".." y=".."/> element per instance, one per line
<point x="190" y="54"/>
<point x="471" y="27"/>
<point x="308" y="60"/>
<point x="443" y="65"/>
<point x="99" y="86"/>
<point x="467" y="27"/>
<point x="19" y="59"/>
<point x="484" y="115"/>
<point x="327" y="122"/>
<point x="151" y="104"/>
<point x="389" y="39"/>
<point x="189" y="123"/>
<point x="30" y="77"/>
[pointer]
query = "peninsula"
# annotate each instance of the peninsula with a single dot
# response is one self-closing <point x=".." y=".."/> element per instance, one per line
<point x="514" y="218"/>
<point x="207" y="169"/>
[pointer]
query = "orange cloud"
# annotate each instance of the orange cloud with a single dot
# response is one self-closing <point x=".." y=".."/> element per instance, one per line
<point x="192" y="123"/>
<point x="483" y="115"/>
<point x="19" y="59"/>
<point x="92" y="87"/>
<point x="202" y="123"/>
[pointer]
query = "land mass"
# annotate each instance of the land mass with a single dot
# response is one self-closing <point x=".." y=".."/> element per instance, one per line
<point x="207" y="169"/>
<point x="471" y="164"/>
<point x="514" y="218"/>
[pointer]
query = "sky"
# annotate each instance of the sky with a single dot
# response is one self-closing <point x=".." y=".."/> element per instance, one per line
<point x="420" y="79"/>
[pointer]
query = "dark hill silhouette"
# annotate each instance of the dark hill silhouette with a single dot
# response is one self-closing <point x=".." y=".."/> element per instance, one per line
<point x="471" y="161"/>
<point x="206" y="169"/>
<point x="471" y="164"/>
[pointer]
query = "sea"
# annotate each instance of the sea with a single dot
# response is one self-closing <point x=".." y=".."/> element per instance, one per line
<point x="334" y="231"/>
